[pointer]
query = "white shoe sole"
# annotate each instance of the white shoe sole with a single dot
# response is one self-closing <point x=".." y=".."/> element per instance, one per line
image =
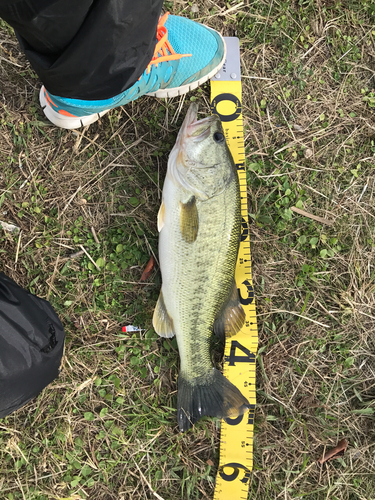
<point x="70" y="122"/>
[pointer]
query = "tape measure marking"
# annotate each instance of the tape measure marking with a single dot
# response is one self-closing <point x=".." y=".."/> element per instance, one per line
<point x="236" y="444"/>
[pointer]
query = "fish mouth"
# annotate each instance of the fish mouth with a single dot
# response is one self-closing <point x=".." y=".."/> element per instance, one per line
<point x="183" y="158"/>
<point x="194" y="129"/>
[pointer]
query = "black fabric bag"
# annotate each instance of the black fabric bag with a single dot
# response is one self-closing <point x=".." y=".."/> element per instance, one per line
<point x="31" y="345"/>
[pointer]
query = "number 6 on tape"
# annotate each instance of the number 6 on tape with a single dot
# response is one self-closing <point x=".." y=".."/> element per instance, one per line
<point x="236" y="444"/>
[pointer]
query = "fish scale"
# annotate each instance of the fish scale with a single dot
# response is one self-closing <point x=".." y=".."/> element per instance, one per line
<point x="207" y="286"/>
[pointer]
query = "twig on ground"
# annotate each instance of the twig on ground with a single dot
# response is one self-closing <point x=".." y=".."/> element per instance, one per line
<point x="148" y="484"/>
<point x="69" y="201"/>
<point x="73" y="255"/>
<point x="94" y="235"/>
<point x="89" y="256"/>
<point x="311" y="216"/>
<point x="18" y="246"/>
<point x="10" y="62"/>
<point x="53" y="276"/>
<point x="294" y="314"/>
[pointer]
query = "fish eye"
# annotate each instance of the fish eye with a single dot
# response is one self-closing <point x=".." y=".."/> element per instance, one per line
<point x="219" y="137"/>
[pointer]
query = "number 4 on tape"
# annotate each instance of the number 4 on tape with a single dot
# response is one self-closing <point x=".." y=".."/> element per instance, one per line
<point x="236" y="444"/>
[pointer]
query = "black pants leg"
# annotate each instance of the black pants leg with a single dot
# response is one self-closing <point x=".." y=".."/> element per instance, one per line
<point x="85" y="49"/>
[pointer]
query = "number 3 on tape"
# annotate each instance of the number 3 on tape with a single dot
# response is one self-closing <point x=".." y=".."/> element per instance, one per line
<point x="236" y="444"/>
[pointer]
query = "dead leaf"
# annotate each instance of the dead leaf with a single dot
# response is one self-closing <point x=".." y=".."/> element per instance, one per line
<point x="298" y="127"/>
<point x="148" y="269"/>
<point x="308" y="153"/>
<point x="9" y="228"/>
<point x="210" y="462"/>
<point x="337" y="451"/>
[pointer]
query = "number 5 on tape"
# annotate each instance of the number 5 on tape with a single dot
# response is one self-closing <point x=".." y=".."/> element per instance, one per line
<point x="236" y="444"/>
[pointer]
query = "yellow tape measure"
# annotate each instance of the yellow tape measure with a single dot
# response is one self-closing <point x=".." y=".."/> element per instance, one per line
<point x="236" y="444"/>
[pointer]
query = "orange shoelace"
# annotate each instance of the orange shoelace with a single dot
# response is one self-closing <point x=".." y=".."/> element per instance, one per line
<point x="163" y="46"/>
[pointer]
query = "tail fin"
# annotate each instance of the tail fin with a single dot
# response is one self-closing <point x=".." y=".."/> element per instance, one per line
<point x="211" y="395"/>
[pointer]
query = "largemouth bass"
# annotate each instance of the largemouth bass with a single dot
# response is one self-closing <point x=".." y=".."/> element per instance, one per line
<point x="199" y="224"/>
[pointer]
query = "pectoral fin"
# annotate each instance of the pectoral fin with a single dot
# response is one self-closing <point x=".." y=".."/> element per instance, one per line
<point x="189" y="222"/>
<point x="231" y="317"/>
<point x="161" y="216"/>
<point x="162" y="322"/>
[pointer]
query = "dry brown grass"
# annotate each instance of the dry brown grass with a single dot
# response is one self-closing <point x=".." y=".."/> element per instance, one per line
<point x="315" y="383"/>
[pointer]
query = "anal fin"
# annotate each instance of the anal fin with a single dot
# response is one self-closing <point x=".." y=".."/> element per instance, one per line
<point x="231" y="316"/>
<point x="162" y="322"/>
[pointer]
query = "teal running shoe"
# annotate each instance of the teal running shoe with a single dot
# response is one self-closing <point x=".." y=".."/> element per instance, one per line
<point x="186" y="55"/>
